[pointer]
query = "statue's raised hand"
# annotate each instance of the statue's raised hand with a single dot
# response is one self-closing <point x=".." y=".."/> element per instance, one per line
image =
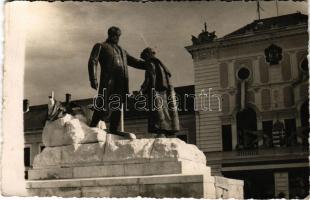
<point x="94" y="84"/>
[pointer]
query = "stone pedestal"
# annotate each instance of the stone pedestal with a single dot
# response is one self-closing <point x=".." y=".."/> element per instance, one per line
<point x="88" y="162"/>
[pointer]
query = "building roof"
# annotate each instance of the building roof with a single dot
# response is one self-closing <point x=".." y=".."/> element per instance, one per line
<point x="35" y="118"/>
<point x="271" y="23"/>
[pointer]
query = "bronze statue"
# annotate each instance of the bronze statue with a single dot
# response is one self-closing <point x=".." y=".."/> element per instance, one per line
<point x="113" y="77"/>
<point x="163" y="117"/>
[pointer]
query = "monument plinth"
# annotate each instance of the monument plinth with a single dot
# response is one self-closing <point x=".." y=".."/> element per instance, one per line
<point x="79" y="161"/>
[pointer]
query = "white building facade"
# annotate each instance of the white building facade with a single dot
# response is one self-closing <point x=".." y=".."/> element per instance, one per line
<point x="261" y="74"/>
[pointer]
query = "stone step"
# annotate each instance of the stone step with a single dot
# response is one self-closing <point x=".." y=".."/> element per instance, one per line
<point x="118" y="151"/>
<point x="159" y="186"/>
<point x="122" y="169"/>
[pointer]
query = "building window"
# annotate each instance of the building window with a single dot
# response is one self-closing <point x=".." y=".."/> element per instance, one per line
<point x="298" y="183"/>
<point x="246" y="126"/>
<point x="27" y="152"/>
<point x="226" y="137"/>
<point x="225" y="103"/>
<point x="267" y="129"/>
<point x="304" y="66"/>
<point x="288" y="95"/>
<point x="266" y="99"/>
<point x="286" y="67"/>
<point x="278" y="135"/>
<point x="263" y="70"/>
<point x="303" y="91"/>
<point x="223" y="75"/>
<point x="250" y="97"/>
<point x="290" y="131"/>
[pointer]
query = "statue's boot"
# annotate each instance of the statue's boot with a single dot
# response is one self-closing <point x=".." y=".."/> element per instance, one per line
<point x="126" y="135"/>
<point x="170" y="134"/>
<point x="160" y="135"/>
<point x="95" y="120"/>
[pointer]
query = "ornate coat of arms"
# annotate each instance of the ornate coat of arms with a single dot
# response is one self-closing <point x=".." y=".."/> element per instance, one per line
<point x="273" y="54"/>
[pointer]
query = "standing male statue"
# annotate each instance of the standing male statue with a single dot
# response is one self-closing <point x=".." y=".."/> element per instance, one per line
<point x="113" y="77"/>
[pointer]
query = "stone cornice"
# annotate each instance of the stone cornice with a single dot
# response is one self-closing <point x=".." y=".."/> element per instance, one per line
<point x="257" y="87"/>
<point x="251" y="38"/>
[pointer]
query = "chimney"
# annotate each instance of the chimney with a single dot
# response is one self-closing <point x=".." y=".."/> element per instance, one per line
<point x="25" y="105"/>
<point x="68" y="98"/>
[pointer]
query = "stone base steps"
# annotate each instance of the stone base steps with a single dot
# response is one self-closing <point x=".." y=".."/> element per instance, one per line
<point x="120" y="170"/>
<point x="156" y="186"/>
<point x="159" y="186"/>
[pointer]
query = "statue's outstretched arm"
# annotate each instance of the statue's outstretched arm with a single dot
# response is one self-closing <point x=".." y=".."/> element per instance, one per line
<point x="92" y="65"/>
<point x="150" y="78"/>
<point x="133" y="62"/>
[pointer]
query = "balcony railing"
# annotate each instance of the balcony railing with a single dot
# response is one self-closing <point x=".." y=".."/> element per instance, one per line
<point x="275" y="153"/>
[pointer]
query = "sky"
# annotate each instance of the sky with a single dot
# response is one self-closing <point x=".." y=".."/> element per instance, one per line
<point x="60" y="36"/>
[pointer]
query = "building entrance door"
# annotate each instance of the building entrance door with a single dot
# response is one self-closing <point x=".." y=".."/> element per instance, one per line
<point x="257" y="184"/>
<point x="246" y="129"/>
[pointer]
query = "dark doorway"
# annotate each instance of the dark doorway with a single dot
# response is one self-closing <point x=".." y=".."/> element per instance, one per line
<point x="290" y="131"/>
<point x="258" y="184"/>
<point x="246" y="129"/>
<point x="304" y="116"/>
<point x="298" y="183"/>
<point x="304" y="66"/>
<point x="226" y="138"/>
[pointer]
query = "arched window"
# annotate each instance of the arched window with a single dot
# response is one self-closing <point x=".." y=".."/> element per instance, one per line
<point x="304" y="65"/>
<point x="224" y="75"/>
